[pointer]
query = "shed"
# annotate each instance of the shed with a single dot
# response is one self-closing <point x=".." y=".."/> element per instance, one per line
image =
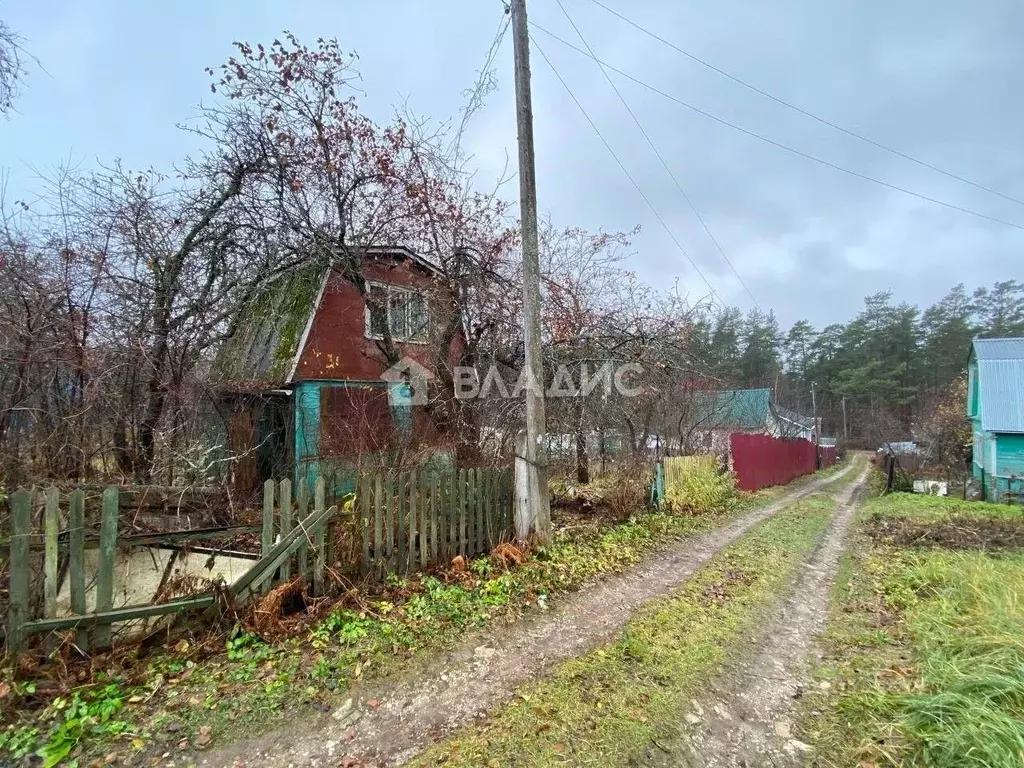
<point x="995" y="406"/>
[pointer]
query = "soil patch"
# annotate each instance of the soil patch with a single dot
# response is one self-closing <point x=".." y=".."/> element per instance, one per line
<point x="954" y="533"/>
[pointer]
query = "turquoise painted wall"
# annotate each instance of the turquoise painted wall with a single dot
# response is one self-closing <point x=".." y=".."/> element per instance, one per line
<point x="998" y="458"/>
<point x="308" y="461"/>
<point x="999" y="464"/>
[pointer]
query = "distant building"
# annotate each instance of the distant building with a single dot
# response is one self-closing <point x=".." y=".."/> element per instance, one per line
<point x="717" y="415"/>
<point x="995" y="405"/>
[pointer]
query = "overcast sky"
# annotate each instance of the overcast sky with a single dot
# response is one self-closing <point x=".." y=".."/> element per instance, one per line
<point x="940" y="81"/>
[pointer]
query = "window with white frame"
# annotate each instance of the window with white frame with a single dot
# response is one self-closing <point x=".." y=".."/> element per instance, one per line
<point x="403" y="311"/>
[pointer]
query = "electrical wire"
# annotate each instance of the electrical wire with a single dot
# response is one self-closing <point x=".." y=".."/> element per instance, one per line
<point x="661" y="159"/>
<point x="806" y="113"/>
<point x="629" y="176"/>
<point x="774" y="143"/>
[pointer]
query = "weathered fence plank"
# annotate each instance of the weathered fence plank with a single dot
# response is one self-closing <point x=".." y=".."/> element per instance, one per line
<point x="108" y="552"/>
<point x="389" y="521"/>
<point x="451" y="550"/>
<point x="424" y="520"/>
<point x="411" y="513"/>
<point x="400" y="512"/>
<point x="51" y="528"/>
<point x="267" y="539"/>
<point x="365" y="506"/>
<point x="301" y="511"/>
<point x="462" y="507"/>
<point x="379" y="552"/>
<point x="433" y="518"/>
<point x="319" y="535"/>
<point x="285" y="511"/>
<point x="76" y="561"/>
<point x="21" y="529"/>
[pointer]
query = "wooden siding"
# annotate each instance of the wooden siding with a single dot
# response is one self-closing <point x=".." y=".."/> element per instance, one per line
<point x="337" y="348"/>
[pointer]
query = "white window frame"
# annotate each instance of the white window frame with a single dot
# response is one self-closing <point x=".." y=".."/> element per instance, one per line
<point x="392" y="291"/>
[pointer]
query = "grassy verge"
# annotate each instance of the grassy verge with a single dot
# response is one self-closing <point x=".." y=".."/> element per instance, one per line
<point x="607" y="707"/>
<point x="925" y="661"/>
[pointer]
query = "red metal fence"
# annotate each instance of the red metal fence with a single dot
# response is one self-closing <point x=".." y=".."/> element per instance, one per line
<point x="762" y="460"/>
<point x="828" y="454"/>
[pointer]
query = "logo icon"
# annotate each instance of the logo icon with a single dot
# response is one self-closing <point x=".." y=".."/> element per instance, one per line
<point x="407" y="381"/>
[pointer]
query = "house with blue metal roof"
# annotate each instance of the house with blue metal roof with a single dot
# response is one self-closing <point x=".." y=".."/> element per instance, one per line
<point x="995" y="405"/>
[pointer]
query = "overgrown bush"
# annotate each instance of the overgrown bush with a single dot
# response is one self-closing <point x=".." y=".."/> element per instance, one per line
<point x="701" y="491"/>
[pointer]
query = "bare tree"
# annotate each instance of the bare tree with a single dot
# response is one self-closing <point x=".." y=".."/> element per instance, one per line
<point x="12" y="67"/>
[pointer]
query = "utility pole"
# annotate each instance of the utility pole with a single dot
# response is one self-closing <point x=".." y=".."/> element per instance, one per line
<point x="532" y="508"/>
<point x="814" y="413"/>
<point x="846" y="435"/>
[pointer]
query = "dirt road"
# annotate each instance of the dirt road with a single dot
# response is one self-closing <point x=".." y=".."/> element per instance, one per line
<point x="465" y="683"/>
<point x="747" y="720"/>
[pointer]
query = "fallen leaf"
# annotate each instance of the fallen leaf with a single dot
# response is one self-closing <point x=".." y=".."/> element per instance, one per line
<point x="205" y="736"/>
<point x="373" y="703"/>
<point x="559" y="748"/>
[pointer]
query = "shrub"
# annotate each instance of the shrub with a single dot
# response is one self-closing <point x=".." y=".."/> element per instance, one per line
<point x="701" y="491"/>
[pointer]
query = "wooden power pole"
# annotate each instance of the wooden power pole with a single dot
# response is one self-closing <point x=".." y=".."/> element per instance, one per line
<point x="532" y="507"/>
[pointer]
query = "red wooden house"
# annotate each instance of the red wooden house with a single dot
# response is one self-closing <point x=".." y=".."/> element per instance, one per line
<point x="307" y="391"/>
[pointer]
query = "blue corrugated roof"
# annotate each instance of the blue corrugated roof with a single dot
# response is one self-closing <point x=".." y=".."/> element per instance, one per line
<point x="1001" y="383"/>
<point x="999" y="349"/>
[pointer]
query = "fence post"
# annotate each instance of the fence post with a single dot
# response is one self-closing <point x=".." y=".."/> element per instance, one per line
<point x="21" y="529"/>
<point x="76" y="562"/>
<point x="319" y="543"/>
<point x="285" y="509"/>
<point x="108" y="551"/>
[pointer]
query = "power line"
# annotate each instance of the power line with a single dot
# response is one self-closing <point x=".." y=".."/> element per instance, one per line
<point x="806" y="113"/>
<point x="774" y="143"/>
<point x="629" y="176"/>
<point x="664" y="164"/>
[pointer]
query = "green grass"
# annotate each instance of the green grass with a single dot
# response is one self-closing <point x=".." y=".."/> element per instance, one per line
<point x="607" y="707"/>
<point x="937" y="508"/>
<point x="926" y="652"/>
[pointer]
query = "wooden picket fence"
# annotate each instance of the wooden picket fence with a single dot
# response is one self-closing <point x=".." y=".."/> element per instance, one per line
<point x="414" y="519"/>
<point x="399" y="521"/>
<point x="287" y="539"/>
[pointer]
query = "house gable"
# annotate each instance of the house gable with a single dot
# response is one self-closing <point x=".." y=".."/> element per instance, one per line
<point x="337" y="344"/>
